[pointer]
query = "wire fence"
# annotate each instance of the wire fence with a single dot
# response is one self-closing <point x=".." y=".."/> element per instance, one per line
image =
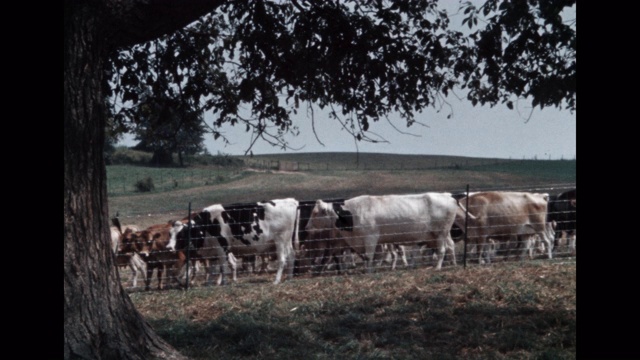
<point x="493" y="235"/>
<point x="430" y="164"/>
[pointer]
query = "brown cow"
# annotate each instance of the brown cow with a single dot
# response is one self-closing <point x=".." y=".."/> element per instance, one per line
<point x="319" y="247"/>
<point x="505" y="216"/>
<point x="153" y="245"/>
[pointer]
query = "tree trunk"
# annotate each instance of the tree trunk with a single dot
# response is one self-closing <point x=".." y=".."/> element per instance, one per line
<point x="162" y="157"/>
<point x="180" y="159"/>
<point x="100" y="321"/>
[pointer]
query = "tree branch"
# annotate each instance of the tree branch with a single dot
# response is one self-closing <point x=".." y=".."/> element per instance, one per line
<point x="138" y="21"/>
<point x="313" y="122"/>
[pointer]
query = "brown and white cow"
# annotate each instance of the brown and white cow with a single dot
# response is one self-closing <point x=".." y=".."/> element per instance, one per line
<point x="126" y="258"/>
<point x="366" y="221"/>
<point x="153" y="244"/>
<point x="506" y="216"/>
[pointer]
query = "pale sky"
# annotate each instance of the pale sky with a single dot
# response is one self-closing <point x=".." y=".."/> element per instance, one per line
<point x="471" y="131"/>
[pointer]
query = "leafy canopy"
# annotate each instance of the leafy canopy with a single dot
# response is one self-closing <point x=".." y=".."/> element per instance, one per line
<point x="254" y="63"/>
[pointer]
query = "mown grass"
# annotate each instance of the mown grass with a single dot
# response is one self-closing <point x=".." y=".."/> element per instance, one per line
<point x="504" y="311"/>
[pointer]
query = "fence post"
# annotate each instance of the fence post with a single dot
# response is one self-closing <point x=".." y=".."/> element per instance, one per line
<point x="466" y="219"/>
<point x="188" y="246"/>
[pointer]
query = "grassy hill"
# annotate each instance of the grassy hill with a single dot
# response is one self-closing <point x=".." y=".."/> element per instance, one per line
<point x="321" y="175"/>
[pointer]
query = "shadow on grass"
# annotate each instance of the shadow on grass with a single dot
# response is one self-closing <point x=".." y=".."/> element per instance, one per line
<point x="414" y="326"/>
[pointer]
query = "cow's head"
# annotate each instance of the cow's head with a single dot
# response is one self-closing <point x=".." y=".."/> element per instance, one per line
<point x="345" y="218"/>
<point x="138" y="241"/>
<point x="128" y="241"/>
<point x="322" y="218"/>
<point x="193" y="230"/>
<point x="176" y="228"/>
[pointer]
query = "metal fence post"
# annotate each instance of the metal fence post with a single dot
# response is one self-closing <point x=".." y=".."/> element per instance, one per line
<point x="188" y="245"/>
<point x="466" y="219"/>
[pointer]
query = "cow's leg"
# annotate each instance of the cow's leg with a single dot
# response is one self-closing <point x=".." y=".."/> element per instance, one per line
<point x="441" y="245"/>
<point x="141" y="265"/>
<point x="370" y="244"/>
<point x="320" y="262"/>
<point x="196" y="270"/>
<point x="233" y="263"/>
<point x="134" y="272"/>
<point x="286" y="258"/>
<point x="525" y="242"/>
<point x="483" y="246"/>
<point x="394" y="255"/>
<point x="282" y="258"/>
<point x="451" y="246"/>
<point x="147" y="281"/>
<point x="556" y="240"/>
<point x="216" y="267"/>
<point x="571" y="236"/>
<point x="402" y="249"/>
<point x="317" y="260"/>
<point x="159" y="272"/>
<point x="547" y="238"/>
<point x="264" y="263"/>
<point x="291" y="259"/>
<point x="343" y="259"/>
<point x="248" y="264"/>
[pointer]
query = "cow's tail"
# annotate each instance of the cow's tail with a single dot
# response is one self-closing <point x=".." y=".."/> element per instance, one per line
<point x="116" y="222"/>
<point x="295" y="239"/>
<point x="461" y="214"/>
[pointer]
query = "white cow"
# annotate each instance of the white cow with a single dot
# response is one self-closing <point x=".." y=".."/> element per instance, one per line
<point x="366" y="221"/>
<point x="247" y="229"/>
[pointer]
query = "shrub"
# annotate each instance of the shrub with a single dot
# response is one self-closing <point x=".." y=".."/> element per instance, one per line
<point x="145" y="185"/>
<point x="123" y="155"/>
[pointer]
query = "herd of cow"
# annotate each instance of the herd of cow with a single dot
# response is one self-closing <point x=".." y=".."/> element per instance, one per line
<point x="309" y="235"/>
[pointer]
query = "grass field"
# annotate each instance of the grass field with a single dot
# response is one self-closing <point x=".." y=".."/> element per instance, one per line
<point x="508" y="310"/>
<point x="202" y="186"/>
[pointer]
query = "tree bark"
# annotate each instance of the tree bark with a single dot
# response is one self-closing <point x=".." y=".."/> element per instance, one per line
<point x="100" y="321"/>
